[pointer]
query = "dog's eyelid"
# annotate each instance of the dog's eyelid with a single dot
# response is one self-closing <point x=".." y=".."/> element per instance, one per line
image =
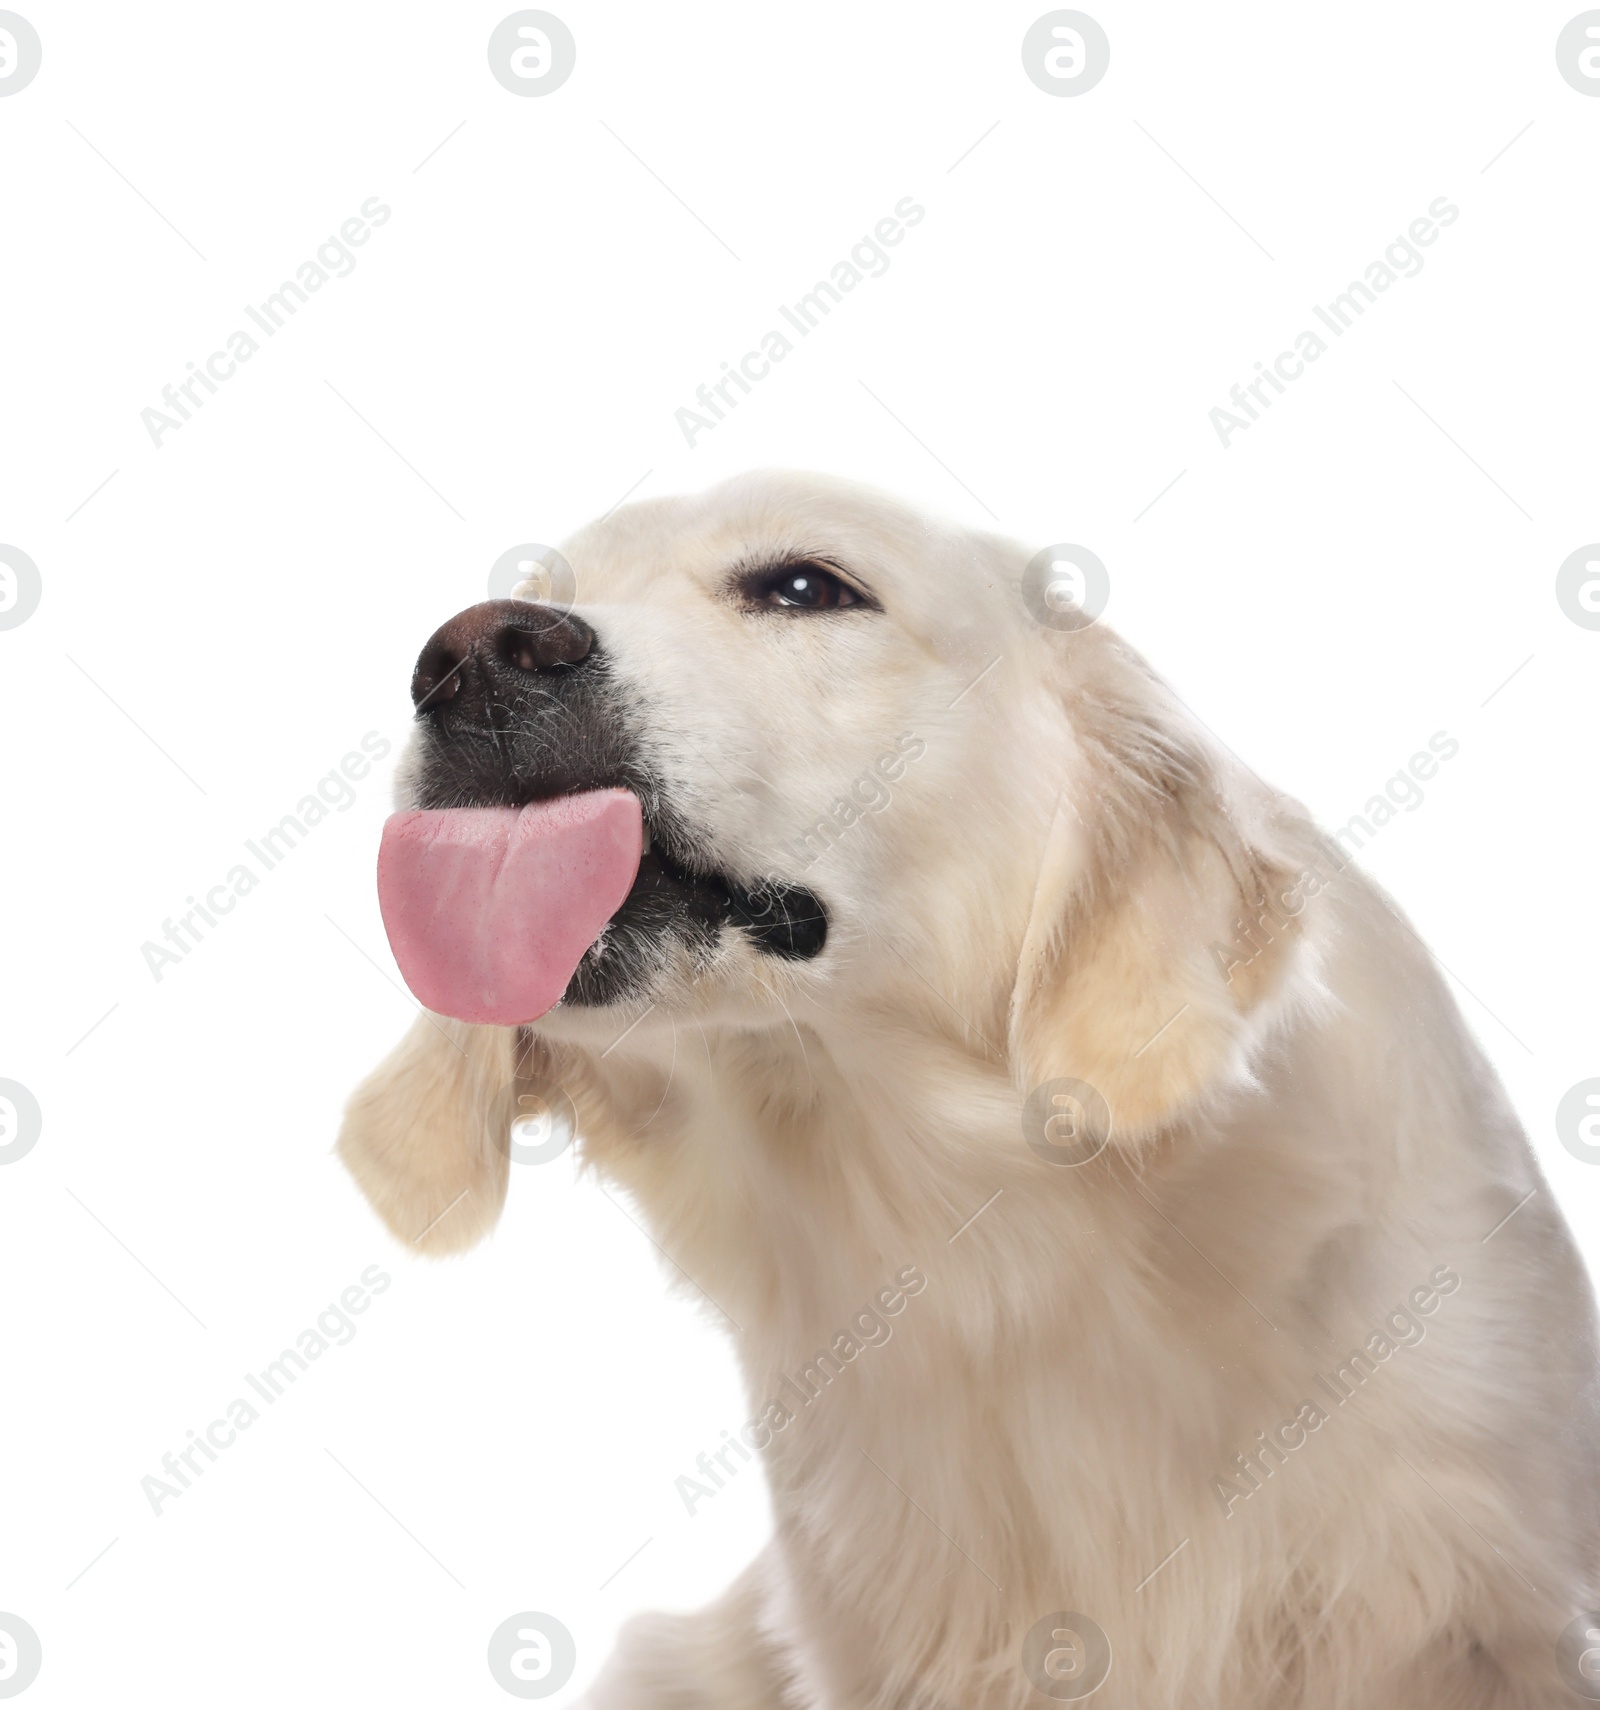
<point x="750" y="582"/>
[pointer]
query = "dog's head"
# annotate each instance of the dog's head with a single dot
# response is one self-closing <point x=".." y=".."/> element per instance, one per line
<point x="877" y="785"/>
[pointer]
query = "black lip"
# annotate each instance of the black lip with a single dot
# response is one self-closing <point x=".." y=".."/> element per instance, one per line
<point x="782" y="919"/>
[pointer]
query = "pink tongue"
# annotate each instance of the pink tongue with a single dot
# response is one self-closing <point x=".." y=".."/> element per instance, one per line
<point x="489" y="910"/>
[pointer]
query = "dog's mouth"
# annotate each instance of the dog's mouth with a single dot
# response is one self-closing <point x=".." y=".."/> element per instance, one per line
<point x="543" y="861"/>
<point x="499" y="910"/>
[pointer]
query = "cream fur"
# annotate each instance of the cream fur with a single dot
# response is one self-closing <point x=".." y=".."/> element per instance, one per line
<point x="1071" y="881"/>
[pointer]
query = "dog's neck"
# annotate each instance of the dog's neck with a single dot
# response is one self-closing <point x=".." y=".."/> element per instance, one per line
<point x="793" y="1174"/>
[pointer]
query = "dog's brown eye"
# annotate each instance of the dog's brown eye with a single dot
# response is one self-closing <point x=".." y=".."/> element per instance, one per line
<point x="802" y="588"/>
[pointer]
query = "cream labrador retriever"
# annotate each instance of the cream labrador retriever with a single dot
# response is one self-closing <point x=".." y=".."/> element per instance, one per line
<point x="906" y="948"/>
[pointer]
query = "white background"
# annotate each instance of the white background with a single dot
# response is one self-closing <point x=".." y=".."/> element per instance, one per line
<point x="1327" y="592"/>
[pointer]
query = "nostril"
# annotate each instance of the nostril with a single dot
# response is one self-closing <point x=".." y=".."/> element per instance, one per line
<point x="529" y="644"/>
<point x="517" y="647"/>
<point x="437" y="678"/>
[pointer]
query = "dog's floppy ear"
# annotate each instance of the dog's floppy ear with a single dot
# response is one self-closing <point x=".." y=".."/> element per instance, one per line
<point x="1165" y="923"/>
<point x="422" y="1135"/>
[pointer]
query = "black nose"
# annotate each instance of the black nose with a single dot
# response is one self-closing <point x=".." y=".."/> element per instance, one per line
<point x="484" y="658"/>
